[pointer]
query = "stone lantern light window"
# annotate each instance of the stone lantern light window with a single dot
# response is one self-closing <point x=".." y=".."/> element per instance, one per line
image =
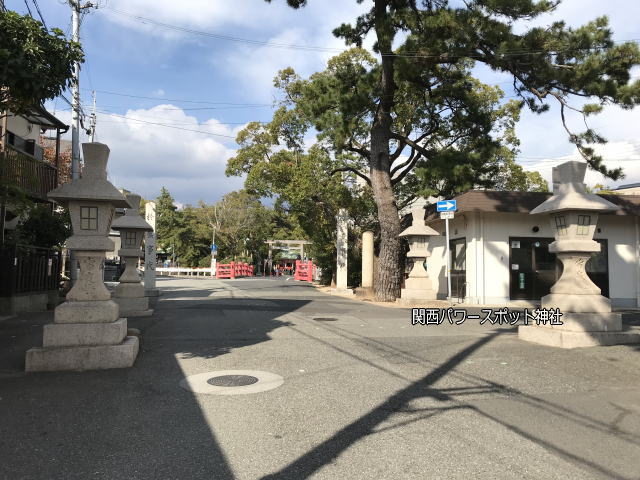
<point x="89" y="218"/>
<point x="584" y="221"/>
<point x="130" y="239"/>
<point x="561" y="224"/>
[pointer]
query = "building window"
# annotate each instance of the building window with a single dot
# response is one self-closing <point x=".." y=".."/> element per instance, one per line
<point x="88" y="218"/>
<point x="130" y="239"/>
<point x="584" y="221"/>
<point x="561" y="225"/>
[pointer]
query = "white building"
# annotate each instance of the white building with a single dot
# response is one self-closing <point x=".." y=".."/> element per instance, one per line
<point x="500" y="252"/>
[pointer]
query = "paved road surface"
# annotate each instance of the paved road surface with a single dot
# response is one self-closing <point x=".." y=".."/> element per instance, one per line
<point x="365" y="396"/>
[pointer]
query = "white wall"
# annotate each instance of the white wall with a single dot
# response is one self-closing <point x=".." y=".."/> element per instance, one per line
<point x="20" y="127"/>
<point x="487" y="267"/>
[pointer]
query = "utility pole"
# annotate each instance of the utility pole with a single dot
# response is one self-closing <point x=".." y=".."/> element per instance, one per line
<point x="76" y="8"/>
<point x="93" y="117"/>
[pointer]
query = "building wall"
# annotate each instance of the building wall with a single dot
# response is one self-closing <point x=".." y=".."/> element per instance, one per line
<point x="627" y="191"/>
<point x="20" y="127"/>
<point x="487" y="257"/>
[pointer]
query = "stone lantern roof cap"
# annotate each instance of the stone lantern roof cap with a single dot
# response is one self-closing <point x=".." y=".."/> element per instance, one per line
<point x="570" y="193"/>
<point x="93" y="186"/>
<point x="132" y="220"/>
<point x="418" y="226"/>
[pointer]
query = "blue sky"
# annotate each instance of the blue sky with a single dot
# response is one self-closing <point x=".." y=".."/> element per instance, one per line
<point x="180" y="71"/>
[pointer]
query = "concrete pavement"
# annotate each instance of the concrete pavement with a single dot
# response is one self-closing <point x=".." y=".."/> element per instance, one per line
<point x="366" y="395"/>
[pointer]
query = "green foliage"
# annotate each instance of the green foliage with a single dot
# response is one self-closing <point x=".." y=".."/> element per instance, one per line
<point x="168" y="222"/>
<point x="238" y="224"/>
<point x="44" y="228"/>
<point x="35" y="64"/>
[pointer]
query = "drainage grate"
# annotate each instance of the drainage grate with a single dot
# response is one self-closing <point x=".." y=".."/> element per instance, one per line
<point x="232" y="380"/>
<point x="325" y="319"/>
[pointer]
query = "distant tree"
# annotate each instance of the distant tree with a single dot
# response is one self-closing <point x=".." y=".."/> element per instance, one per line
<point x="64" y="163"/>
<point x="44" y="228"/>
<point x="168" y="222"/>
<point x="35" y="64"/>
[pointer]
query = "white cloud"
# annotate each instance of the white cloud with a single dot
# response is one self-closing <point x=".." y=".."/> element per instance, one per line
<point x="158" y="92"/>
<point x="615" y="154"/>
<point x="145" y="157"/>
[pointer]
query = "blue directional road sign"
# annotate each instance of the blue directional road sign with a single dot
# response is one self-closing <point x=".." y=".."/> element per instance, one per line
<point x="214" y="248"/>
<point x="447" y="206"/>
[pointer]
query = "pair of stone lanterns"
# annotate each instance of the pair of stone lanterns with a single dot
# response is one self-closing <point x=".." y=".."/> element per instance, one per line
<point x="418" y="286"/>
<point x="88" y="331"/>
<point x="586" y="314"/>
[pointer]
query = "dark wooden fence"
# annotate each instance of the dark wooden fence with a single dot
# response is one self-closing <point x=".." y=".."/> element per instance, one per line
<point x="27" y="269"/>
<point x="32" y="176"/>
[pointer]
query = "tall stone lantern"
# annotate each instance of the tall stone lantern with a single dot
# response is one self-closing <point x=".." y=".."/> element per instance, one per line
<point x="87" y="332"/>
<point x="130" y="294"/>
<point x="586" y="315"/>
<point x="418" y="286"/>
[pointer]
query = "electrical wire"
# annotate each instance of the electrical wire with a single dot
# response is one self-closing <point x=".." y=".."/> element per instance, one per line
<point x="35" y="3"/>
<point x="204" y="102"/>
<point x="216" y="36"/>
<point x="168" y="126"/>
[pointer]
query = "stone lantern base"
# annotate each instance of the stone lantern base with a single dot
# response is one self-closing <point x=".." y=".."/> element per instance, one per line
<point x="84" y="336"/>
<point x="581" y="330"/>
<point x="578" y="303"/>
<point x="132" y="300"/>
<point x="417" y="290"/>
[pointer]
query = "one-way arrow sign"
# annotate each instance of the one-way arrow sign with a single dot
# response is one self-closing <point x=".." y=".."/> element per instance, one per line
<point x="447" y="206"/>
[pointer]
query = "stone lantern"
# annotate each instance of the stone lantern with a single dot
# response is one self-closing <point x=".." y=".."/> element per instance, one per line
<point x="130" y="293"/>
<point x="87" y="332"/>
<point x="586" y="315"/>
<point x="418" y="286"/>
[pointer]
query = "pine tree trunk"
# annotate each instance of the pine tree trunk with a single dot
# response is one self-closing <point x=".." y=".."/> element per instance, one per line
<point x="387" y="288"/>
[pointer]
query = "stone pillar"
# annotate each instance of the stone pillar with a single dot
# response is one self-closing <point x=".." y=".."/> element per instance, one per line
<point x="341" y="253"/>
<point x="87" y="332"/>
<point x="150" y="257"/>
<point x="367" y="259"/>
<point x="130" y="293"/>
<point x="586" y="319"/>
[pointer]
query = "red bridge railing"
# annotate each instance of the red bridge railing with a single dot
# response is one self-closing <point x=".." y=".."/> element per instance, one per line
<point x="304" y="271"/>
<point x="234" y="270"/>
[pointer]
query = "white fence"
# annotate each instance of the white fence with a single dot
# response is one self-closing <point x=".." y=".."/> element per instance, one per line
<point x="184" y="271"/>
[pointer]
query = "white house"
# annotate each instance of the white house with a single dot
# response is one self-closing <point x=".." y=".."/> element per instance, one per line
<point x="500" y="252"/>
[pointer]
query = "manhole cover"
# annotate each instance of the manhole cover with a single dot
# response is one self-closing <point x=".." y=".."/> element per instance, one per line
<point x="325" y="319"/>
<point x="232" y="380"/>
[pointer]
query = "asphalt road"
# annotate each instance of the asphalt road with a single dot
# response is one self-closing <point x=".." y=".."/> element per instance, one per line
<point x="366" y="395"/>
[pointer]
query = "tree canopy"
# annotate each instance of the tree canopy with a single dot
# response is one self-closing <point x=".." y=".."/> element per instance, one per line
<point x="35" y="64"/>
<point x="415" y="118"/>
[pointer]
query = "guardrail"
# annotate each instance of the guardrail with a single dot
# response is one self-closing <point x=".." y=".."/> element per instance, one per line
<point x="234" y="270"/>
<point x="184" y="271"/>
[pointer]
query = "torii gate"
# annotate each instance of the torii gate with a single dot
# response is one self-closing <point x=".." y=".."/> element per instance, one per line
<point x="286" y="245"/>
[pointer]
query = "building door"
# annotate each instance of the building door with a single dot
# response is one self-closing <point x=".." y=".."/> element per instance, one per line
<point x="458" y="250"/>
<point x="532" y="268"/>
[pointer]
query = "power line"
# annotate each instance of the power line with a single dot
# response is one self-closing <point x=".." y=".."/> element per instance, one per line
<point x="167" y="126"/>
<point x="474" y="54"/>
<point x="178" y="28"/>
<point x="35" y="3"/>
<point x="181" y="101"/>
<point x="28" y="9"/>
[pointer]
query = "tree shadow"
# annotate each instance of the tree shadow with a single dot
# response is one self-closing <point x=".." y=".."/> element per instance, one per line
<point x="401" y="403"/>
<point x="127" y="423"/>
